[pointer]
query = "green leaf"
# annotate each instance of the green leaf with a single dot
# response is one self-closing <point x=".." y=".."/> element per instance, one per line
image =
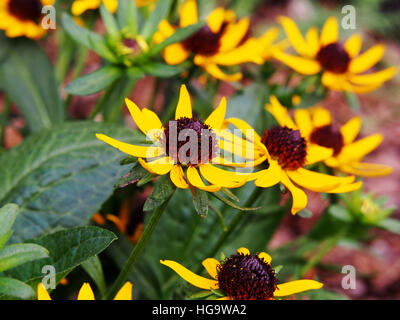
<point x="109" y="21"/>
<point x="200" y="202"/>
<point x="161" y="70"/>
<point x="61" y="176"/>
<point x="159" y="13"/>
<point x="95" y="81"/>
<point x="88" y="38"/>
<point x="27" y="75"/>
<point x="68" y="249"/>
<point x="305" y="213"/>
<point x="14" y="255"/>
<point x="232" y="204"/>
<point x="127" y="16"/>
<point x="163" y="189"/>
<point x="8" y="214"/>
<point x="390" y="224"/>
<point x="93" y="267"/>
<point x="339" y="212"/>
<point x="16" y="289"/>
<point x="134" y="175"/>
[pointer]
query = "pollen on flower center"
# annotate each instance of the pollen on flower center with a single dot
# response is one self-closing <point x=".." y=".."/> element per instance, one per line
<point x="247" y="277"/>
<point x="204" y="41"/>
<point x="333" y="57"/>
<point x="328" y="136"/>
<point x="287" y="146"/>
<point x="25" y="9"/>
<point x="189" y="141"/>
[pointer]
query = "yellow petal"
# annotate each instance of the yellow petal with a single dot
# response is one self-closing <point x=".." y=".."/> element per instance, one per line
<point x="137" y="116"/>
<point x="111" y="5"/>
<point x="220" y="177"/>
<point x="316" y="153"/>
<point x="294" y="35"/>
<point x="351" y="129"/>
<point x="188" y="13"/>
<point x="165" y="28"/>
<point x="330" y="31"/>
<point x="196" y="181"/>
<point x="245" y="128"/>
<point x="224" y="298"/>
<point x="215" y="19"/>
<point x="271" y="176"/>
<point x="234" y="34"/>
<point x="184" y="107"/>
<point x="85" y="293"/>
<point x="175" y="54"/>
<point x="80" y="6"/>
<point x="297" y="286"/>
<point x="298" y="195"/>
<point x="346" y="187"/>
<point x="353" y="45"/>
<point x="211" y="265"/>
<point x="357" y="150"/>
<point x="136" y="151"/>
<point x="267" y="258"/>
<point x="189" y="276"/>
<point x="313" y="40"/>
<point x="321" y="117"/>
<point x="42" y="293"/>
<point x="216" y="118"/>
<point x="301" y="65"/>
<point x="243" y="251"/>
<point x="216" y="72"/>
<point x="280" y="113"/>
<point x="303" y="121"/>
<point x="368" y="59"/>
<point x="333" y="81"/>
<point x="364" y="169"/>
<point x="152" y="119"/>
<point x="160" y="166"/>
<point x="177" y="177"/>
<point x="373" y="78"/>
<point x="125" y="293"/>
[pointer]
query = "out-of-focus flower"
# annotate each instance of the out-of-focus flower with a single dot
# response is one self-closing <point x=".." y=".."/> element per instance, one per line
<point x="86" y="292"/>
<point x="80" y="6"/>
<point x="317" y="127"/>
<point x="186" y="143"/>
<point x="223" y="41"/>
<point x="342" y="65"/>
<point x="243" y="276"/>
<point x="23" y="18"/>
<point x="287" y="152"/>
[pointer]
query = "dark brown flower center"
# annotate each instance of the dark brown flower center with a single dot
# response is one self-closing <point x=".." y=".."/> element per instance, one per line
<point x="287" y="146"/>
<point x="247" y="277"/>
<point x="189" y="141"/>
<point x="204" y="41"/>
<point x="328" y="136"/>
<point x="333" y="57"/>
<point x="25" y="9"/>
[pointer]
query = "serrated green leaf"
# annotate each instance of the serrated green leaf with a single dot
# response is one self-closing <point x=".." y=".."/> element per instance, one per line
<point x="68" y="249"/>
<point x="61" y="176"/>
<point x="14" y="255"/>
<point x="163" y="189"/>
<point x="93" y="267"/>
<point x="16" y="289"/>
<point x="95" y="81"/>
<point x="159" y="13"/>
<point x="200" y="202"/>
<point x="8" y="214"/>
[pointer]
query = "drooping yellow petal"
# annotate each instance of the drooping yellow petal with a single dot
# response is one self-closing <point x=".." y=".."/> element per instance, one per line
<point x="353" y="45"/>
<point x="86" y="293"/>
<point x="189" y="276"/>
<point x="243" y="250"/>
<point x="280" y="113"/>
<point x="333" y="81"/>
<point x="184" y="107"/>
<point x="301" y="65"/>
<point x="373" y="78"/>
<point x="367" y="59"/>
<point x="136" y="151"/>
<point x="294" y="35"/>
<point x="177" y="177"/>
<point x="175" y="54"/>
<point x="271" y="176"/>
<point x="233" y="34"/>
<point x="188" y="13"/>
<point x="196" y="181"/>
<point x="351" y="129"/>
<point x="303" y="121"/>
<point x="358" y="149"/>
<point x="346" y="187"/>
<point x="364" y="169"/>
<point x="330" y="31"/>
<point x="125" y="293"/>
<point x="160" y="166"/>
<point x="298" y="195"/>
<point x="316" y="153"/>
<point x="42" y="293"/>
<point x="216" y="72"/>
<point x="215" y="19"/>
<point x="297" y="286"/>
<point x="211" y="265"/>
<point x="263" y="255"/>
<point x="220" y="177"/>
<point x="216" y="118"/>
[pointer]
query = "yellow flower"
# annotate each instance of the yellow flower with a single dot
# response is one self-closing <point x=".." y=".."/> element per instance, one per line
<point x="223" y="41"/>
<point x="316" y="126"/>
<point x="80" y="6"/>
<point x="19" y="19"/>
<point x="342" y="65"/>
<point x="287" y="152"/>
<point x="171" y="153"/>
<point x="86" y="293"/>
<point x="243" y="276"/>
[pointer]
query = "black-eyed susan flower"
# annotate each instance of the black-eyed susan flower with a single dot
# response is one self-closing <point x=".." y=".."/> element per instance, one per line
<point x="80" y="6"/>
<point x="316" y="125"/>
<point x="189" y="144"/>
<point x="223" y="41"/>
<point x="23" y="18"/>
<point x="86" y="292"/>
<point x="243" y="276"/>
<point x="343" y="67"/>
<point x="287" y="152"/>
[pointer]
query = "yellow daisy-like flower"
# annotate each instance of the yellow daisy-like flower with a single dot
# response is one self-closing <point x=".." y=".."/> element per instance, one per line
<point x="23" y="18"/>
<point x="315" y="125"/>
<point x="287" y="152"/>
<point x="243" y="276"/>
<point x="342" y="65"/>
<point x="80" y="6"/>
<point x="86" y="292"/>
<point x="223" y="41"/>
<point x="172" y="152"/>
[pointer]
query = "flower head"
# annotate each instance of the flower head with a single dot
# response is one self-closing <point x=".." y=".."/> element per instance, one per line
<point x="317" y="127"/>
<point x="341" y="64"/>
<point x="80" y="6"/>
<point x="23" y="18"/>
<point x="186" y="143"/>
<point x="243" y="276"/>
<point x="222" y="41"/>
<point x="286" y="152"/>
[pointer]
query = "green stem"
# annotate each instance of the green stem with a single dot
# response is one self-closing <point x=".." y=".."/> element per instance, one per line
<point x="138" y="249"/>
